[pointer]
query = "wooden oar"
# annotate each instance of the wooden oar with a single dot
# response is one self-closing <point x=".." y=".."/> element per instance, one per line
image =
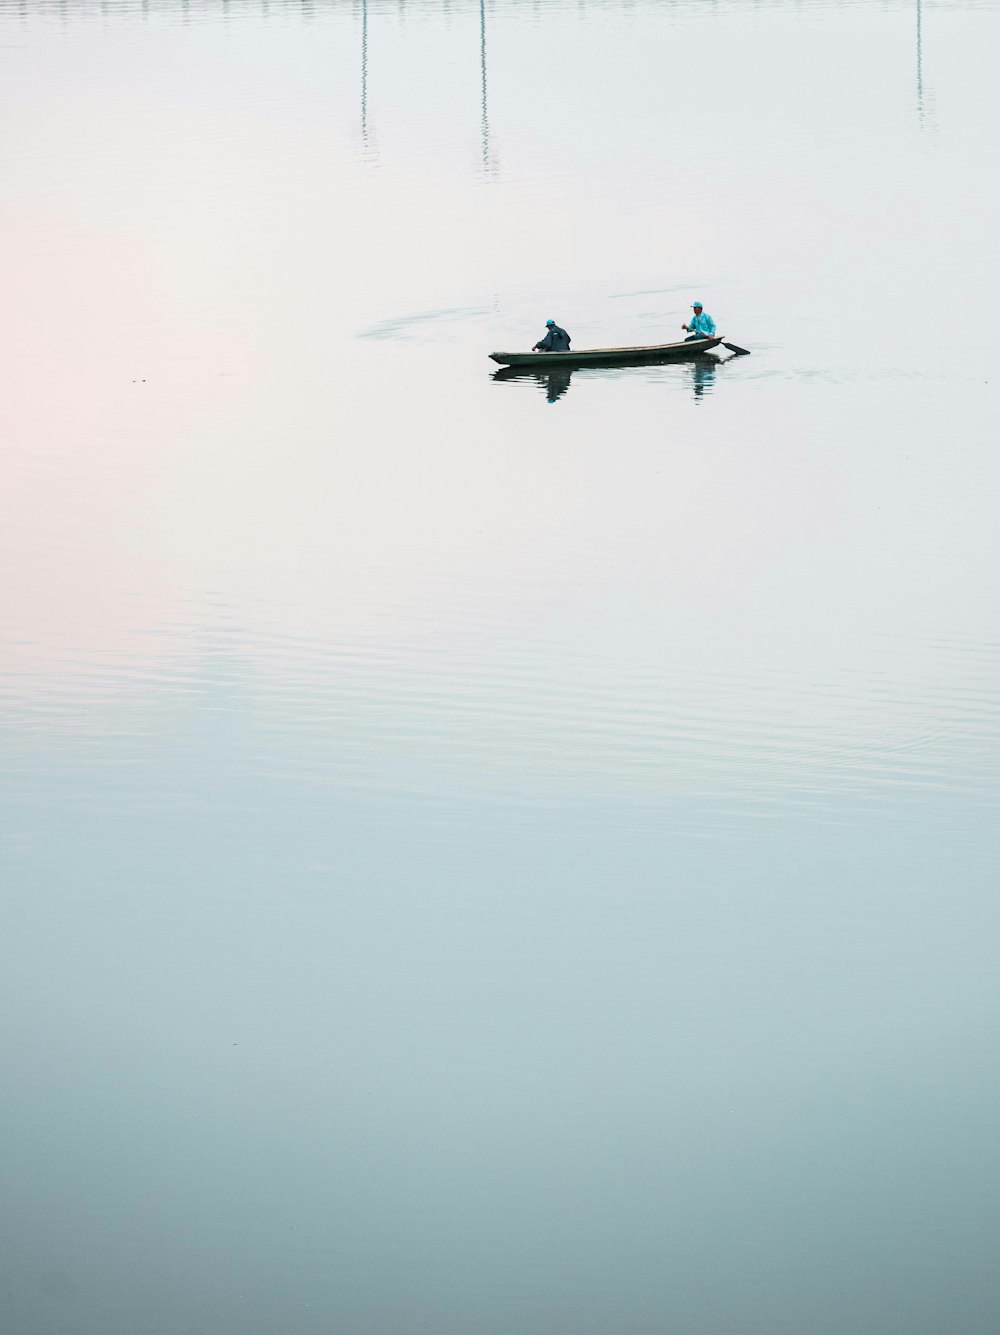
<point x="731" y="347"/>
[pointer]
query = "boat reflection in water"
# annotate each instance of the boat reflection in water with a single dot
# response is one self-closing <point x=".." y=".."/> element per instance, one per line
<point x="555" y="383"/>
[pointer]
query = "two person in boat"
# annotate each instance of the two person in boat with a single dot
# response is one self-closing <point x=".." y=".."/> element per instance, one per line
<point x="702" y="325"/>
<point x="555" y="340"/>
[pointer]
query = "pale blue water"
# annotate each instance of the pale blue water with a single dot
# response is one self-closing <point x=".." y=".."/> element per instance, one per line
<point x="472" y="862"/>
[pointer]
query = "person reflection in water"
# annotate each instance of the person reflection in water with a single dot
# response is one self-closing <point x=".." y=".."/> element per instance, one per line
<point x="553" y="383"/>
<point x="703" y="371"/>
<point x="702" y="325"/>
<point x="555" y="340"/>
<point x="557" y="383"/>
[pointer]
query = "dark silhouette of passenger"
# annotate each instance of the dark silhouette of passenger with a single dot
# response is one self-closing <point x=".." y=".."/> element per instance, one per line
<point x="556" y="340"/>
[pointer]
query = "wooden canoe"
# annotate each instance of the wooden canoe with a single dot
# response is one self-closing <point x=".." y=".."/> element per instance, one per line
<point x="657" y="352"/>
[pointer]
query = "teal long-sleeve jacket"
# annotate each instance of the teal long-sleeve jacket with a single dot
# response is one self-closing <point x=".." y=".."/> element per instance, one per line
<point x="702" y="324"/>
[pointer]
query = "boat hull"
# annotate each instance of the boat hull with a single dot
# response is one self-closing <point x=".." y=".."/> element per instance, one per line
<point x="659" y="352"/>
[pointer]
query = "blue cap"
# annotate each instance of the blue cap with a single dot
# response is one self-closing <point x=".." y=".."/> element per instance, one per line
<point x="695" y="304"/>
<point x="551" y="322"/>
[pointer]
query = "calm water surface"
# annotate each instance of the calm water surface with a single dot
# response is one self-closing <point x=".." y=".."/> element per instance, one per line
<point x="499" y="857"/>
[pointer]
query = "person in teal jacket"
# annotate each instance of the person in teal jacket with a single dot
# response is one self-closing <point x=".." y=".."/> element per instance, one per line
<point x="702" y="325"/>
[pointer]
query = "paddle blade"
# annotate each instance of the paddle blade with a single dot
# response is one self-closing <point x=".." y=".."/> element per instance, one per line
<point x="734" y="347"/>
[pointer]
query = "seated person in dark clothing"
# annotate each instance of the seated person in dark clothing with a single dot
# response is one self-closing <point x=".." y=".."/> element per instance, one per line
<point x="556" y="340"/>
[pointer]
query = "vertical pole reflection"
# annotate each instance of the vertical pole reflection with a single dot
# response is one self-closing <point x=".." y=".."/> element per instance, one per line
<point x="485" y="128"/>
<point x="920" y="67"/>
<point x="364" y="74"/>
